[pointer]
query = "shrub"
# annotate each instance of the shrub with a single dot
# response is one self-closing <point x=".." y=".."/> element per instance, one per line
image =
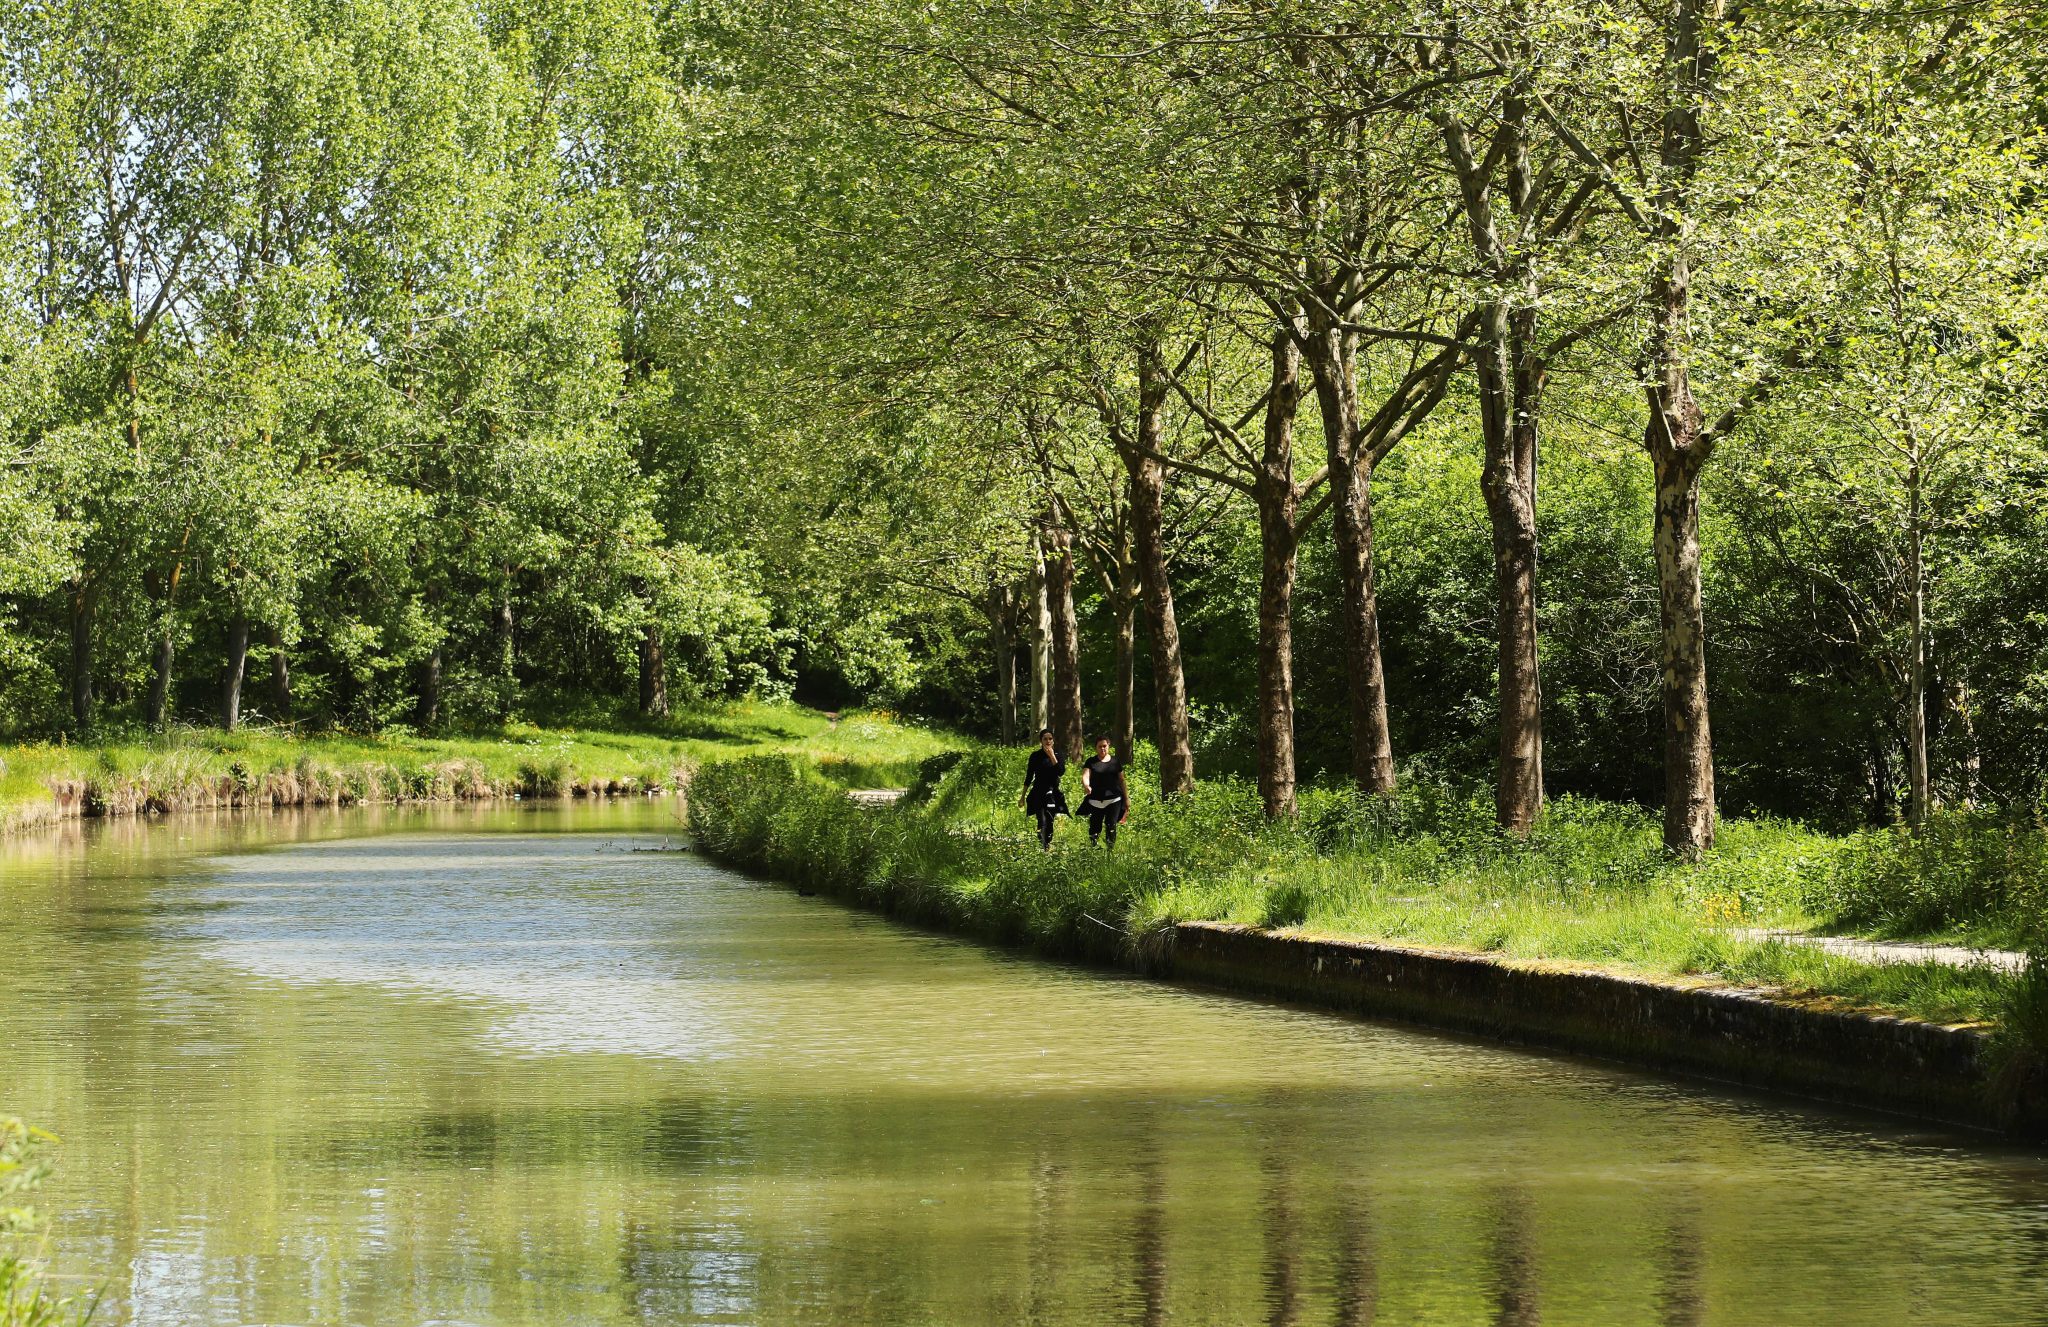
<point x="2019" y="1049"/>
<point x="1961" y="868"/>
<point x="544" y="778"/>
<point x="930" y="771"/>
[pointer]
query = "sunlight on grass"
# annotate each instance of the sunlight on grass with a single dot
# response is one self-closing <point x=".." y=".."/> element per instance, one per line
<point x="1592" y="886"/>
<point x="205" y="767"/>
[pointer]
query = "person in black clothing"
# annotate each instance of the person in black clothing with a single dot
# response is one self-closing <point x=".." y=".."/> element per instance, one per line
<point x="1043" y="797"/>
<point x="1107" y="798"/>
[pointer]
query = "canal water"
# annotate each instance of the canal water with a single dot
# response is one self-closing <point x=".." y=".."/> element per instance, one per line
<point x="539" y="1065"/>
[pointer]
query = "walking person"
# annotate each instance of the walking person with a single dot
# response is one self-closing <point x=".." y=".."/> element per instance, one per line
<point x="1106" y="796"/>
<point x="1043" y="797"/>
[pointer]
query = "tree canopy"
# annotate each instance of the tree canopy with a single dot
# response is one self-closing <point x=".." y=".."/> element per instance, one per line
<point x="1640" y="401"/>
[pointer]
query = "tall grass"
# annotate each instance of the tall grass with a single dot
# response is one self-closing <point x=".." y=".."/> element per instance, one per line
<point x="196" y="767"/>
<point x="1592" y="886"/>
<point x="1976" y="875"/>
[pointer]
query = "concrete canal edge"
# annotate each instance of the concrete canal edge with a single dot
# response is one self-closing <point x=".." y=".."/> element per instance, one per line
<point x="1847" y="1056"/>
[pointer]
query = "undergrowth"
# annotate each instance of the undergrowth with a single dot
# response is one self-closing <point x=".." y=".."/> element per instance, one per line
<point x="1427" y="867"/>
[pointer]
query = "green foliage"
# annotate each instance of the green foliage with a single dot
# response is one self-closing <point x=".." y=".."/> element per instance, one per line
<point x="25" y="1299"/>
<point x="1980" y="873"/>
<point x="1592" y="885"/>
<point x="189" y="767"/>
<point x="475" y="357"/>
<point x="2019" y="1049"/>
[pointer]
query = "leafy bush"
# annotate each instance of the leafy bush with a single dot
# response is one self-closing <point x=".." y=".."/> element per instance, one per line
<point x="1970" y="869"/>
<point x="544" y="778"/>
<point x="930" y="771"/>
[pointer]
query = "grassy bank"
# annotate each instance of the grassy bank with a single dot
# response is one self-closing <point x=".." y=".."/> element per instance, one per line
<point x="200" y="768"/>
<point x="1592" y="887"/>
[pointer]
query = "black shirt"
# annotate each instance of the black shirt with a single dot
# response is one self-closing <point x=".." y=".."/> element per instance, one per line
<point x="1043" y="773"/>
<point x="1105" y="779"/>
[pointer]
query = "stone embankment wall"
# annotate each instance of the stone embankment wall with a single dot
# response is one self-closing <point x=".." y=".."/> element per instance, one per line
<point x="1848" y="1056"/>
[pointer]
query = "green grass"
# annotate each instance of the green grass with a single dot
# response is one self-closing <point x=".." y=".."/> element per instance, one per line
<point x="1592" y="887"/>
<point x="190" y="767"/>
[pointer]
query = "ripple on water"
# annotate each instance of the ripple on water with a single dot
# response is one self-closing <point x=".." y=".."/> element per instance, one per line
<point x="524" y="1077"/>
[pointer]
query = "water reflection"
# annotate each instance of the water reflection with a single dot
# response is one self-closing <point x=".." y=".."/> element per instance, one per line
<point x="508" y="1075"/>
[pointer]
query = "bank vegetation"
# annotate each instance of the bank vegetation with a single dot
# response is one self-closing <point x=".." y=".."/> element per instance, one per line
<point x="1591" y="886"/>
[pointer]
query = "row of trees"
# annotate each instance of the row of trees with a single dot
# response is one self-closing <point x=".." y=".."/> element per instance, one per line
<point x="430" y="359"/>
<point x="341" y="347"/>
<point x="1138" y="253"/>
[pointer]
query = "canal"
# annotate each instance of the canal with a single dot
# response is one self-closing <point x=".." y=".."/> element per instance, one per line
<point x="540" y="1065"/>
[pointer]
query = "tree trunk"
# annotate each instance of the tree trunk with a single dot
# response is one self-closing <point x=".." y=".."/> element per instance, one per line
<point x="238" y="669"/>
<point x="1040" y="642"/>
<point x="508" y="656"/>
<point x="157" y="711"/>
<point x="1276" y="654"/>
<point x="1678" y="440"/>
<point x="280" y="674"/>
<point x="1510" y="395"/>
<point x="1148" y="546"/>
<point x="430" y="690"/>
<point x="1961" y="706"/>
<point x="1677" y="455"/>
<point x="166" y="647"/>
<point x="653" y="672"/>
<point x="1518" y="790"/>
<point x="1331" y="364"/>
<point x="1919" y="786"/>
<point x="1276" y="496"/>
<point x="1125" y="727"/>
<point x="1066" y="642"/>
<point x="1509" y="389"/>
<point x="1002" y="623"/>
<point x="83" y="599"/>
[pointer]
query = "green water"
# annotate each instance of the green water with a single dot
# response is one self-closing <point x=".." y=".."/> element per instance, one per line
<point x="463" y="1066"/>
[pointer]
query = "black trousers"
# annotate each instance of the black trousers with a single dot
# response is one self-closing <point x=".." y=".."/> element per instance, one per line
<point x="1047" y="818"/>
<point x="1102" y="822"/>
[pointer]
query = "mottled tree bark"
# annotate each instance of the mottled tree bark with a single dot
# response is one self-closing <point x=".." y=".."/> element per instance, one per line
<point x="1275" y="494"/>
<point x="1510" y="378"/>
<point x="1509" y="481"/>
<point x="1040" y="642"/>
<point x="1678" y="448"/>
<point x="1148" y="546"/>
<point x="1679" y="443"/>
<point x="1331" y="364"/>
<point x="1124" y="727"/>
<point x="1510" y="384"/>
